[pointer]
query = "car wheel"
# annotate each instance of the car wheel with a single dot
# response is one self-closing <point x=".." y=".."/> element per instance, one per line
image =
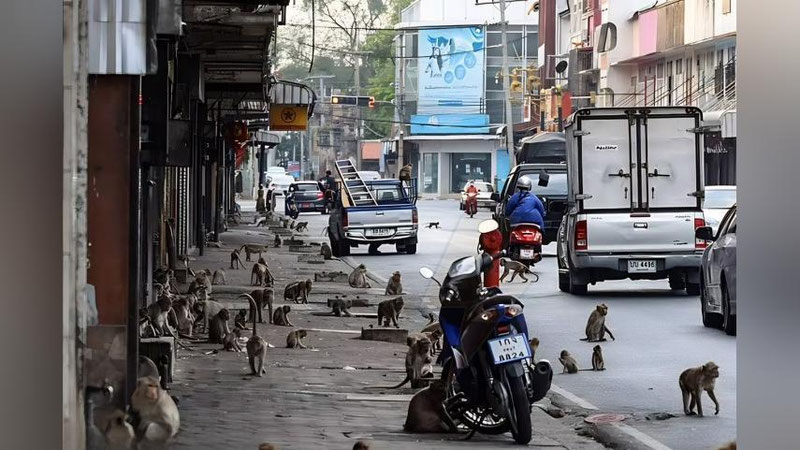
<point x="728" y="319"/>
<point x="676" y="282"/>
<point x="693" y="289"/>
<point x="563" y="282"/>
<point x="710" y="320"/>
<point x="411" y="249"/>
<point x="576" y="288"/>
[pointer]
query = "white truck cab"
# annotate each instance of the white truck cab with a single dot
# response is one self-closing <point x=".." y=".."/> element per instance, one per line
<point x="635" y="179"/>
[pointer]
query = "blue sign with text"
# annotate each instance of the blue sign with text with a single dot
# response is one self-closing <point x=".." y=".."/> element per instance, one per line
<point x="450" y="124"/>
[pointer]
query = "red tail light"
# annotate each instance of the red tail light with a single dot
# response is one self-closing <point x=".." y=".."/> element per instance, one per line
<point x="414" y="216"/>
<point x="526" y="235"/>
<point x="320" y="195"/>
<point x="344" y="218"/>
<point x="699" y="244"/>
<point x="581" y="236"/>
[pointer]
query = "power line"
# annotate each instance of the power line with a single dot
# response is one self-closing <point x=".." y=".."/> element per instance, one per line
<point x="425" y="27"/>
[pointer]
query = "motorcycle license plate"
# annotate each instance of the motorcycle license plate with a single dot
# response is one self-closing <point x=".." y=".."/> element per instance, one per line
<point x="526" y="253"/>
<point x="510" y="348"/>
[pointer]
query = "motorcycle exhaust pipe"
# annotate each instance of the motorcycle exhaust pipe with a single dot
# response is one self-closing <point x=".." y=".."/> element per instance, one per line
<point x="541" y="375"/>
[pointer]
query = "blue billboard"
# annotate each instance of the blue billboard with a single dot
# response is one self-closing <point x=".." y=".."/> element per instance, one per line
<point x="450" y="70"/>
<point x="449" y="124"/>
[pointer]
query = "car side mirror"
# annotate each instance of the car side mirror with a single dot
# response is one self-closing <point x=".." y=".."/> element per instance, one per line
<point x="544" y="178"/>
<point x="495" y="196"/>
<point x="704" y="233"/>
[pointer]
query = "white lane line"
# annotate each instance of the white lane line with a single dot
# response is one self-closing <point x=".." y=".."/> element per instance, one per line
<point x="572" y="397"/>
<point x="641" y="437"/>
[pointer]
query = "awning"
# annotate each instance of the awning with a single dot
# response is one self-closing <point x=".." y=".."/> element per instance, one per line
<point x="722" y="121"/>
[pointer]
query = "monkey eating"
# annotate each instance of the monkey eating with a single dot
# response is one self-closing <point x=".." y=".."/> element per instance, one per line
<point x="569" y="362"/>
<point x="256" y="346"/>
<point x="219" y="277"/>
<point x="281" y="316"/>
<point x="426" y="413"/>
<point x="295" y="339"/>
<point x="342" y="307"/>
<point x="597" y="359"/>
<point x="419" y="370"/>
<point x="358" y="277"/>
<point x="218" y="327"/>
<point x="237" y="259"/>
<point x="251" y="249"/>
<point x="693" y="382"/>
<point x="231" y="340"/>
<point x="390" y="310"/>
<point x="394" y="286"/>
<point x="201" y="281"/>
<point x="159" y="419"/>
<point x="433" y="225"/>
<point x="596" y="328"/>
<point x="240" y="321"/>
<point x="263" y="299"/>
<point x="517" y="267"/>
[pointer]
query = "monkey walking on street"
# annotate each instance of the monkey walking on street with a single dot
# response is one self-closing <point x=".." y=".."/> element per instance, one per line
<point x="256" y="346"/>
<point x="263" y="299"/>
<point x="432" y="225"/>
<point x="251" y="249"/>
<point x="518" y="268"/>
<point x="693" y="382"/>
<point x="596" y="328"/>
<point x="237" y="259"/>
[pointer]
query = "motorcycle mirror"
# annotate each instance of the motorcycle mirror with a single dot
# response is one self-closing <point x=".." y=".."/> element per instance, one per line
<point x="487" y="226"/>
<point x="426" y="273"/>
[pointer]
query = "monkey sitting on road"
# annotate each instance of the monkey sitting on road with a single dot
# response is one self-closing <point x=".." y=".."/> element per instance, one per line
<point x="534" y="344"/>
<point x="342" y="307"/>
<point x="256" y="346"/>
<point x="219" y="277"/>
<point x="240" y="321"/>
<point x="390" y="310"/>
<point x="596" y="328"/>
<point x="298" y="291"/>
<point x="517" y="267"/>
<point x="394" y="286"/>
<point x="281" y="316"/>
<point x="236" y="259"/>
<point x="597" y="358"/>
<point x="218" y="327"/>
<point x="693" y="382"/>
<point x="118" y="432"/>
<point x="419" y="370"/>
<point x="202" y="281"/>
<point x="301" y="226"/>
<point x="231" y="340"/>
<point x="433" y="225"/>
<point x="426" y="413"/>
<point x="295" y="339"/>
<point x="329" y="276"/>
<point x="159" y="419"/>
<point x="325" y="251"/>
<point x="358" y="277"/>
<point x="361" y="445"/>
<point x="278" y="241"/>
<point x="569" y="362"/>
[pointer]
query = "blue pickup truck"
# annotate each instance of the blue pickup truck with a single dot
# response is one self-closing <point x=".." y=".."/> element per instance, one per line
<point x="392" y="219"/>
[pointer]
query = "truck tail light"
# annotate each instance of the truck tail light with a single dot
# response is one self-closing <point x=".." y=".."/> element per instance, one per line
<point x="344" y="218"/>
<point x="699" y="244"/>
<point x="414" y="216"/>
<point x="581" y="242"/>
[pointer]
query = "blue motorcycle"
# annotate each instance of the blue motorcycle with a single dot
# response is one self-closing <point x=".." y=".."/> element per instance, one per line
<point x="488" y="369"/>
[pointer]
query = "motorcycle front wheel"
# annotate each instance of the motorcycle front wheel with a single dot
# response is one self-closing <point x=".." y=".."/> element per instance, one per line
<point x="480" y="419"/>
<point x="520" y="407"/>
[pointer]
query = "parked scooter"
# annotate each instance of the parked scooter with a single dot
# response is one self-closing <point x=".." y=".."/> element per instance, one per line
<point x="490" y="378"/>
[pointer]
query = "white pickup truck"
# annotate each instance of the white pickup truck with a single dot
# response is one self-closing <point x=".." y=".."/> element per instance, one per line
<point x="635" y="180"/>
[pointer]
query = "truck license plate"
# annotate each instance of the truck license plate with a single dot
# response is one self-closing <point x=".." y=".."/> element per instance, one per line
<point x="526" y="253"/>
<point x="510" y="348"/>
<point x="641" y="266"/>
<point x="305" y="205"/>
<point x="379" y="232"/>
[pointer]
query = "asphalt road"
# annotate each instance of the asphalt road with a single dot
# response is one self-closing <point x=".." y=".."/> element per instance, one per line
<point x="658" y="331"/>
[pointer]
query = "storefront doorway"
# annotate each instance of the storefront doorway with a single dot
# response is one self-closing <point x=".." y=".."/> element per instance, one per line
<point x="469" y="166"/>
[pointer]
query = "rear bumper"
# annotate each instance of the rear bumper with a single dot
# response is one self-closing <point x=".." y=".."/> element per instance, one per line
<point x="605" y="267"/>
<point x="401" y="233"/>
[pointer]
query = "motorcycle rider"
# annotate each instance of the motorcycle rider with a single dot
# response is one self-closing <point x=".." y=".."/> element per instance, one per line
<point x="472" y="198"/>
<point x="524" y="206"/>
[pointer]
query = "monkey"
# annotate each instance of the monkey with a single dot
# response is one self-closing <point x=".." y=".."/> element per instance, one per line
<point x="295" y="339"/>
<point x="261" y="276"/>
<point x="267" y="446"/>
<point x="203" y="280"/>
<point x="329" y="276"/>
<point x="358" y="277"/>
<point x="435" y="337"/>
<point x="256" y="346"/>
<point x="596" y="328"/>
<point x="230" y="342"/>
<point x="218" y="328"/>
<point x="157" y="313"/>
<point x="426" y="413"/>
<point x="240" y="321"/>
<point x="390" y="310"/>
<point x="297" y="291"/>
<point x="281" y="316"/>
<point x="729" y="446"/>
<point x="325" y="251"/>
<point x="250" y="249"/>
<point x="433" y="225"/>
<point x="118" y="432"/>
<point x="278" y="240"/>
<point x="158" y="414"/>
<point x="517" y="267"/>
<point x="534" y="344"/>
<point x="301" y="227"/>
<point x="360" y="445"/>
<point x="206" y="310"/>
<point x="263" y="298"/>
<point x="394" y="286"/>
<point x="219" y="277"/>
<point x="235" y="258"/>
<point x="419" y="370"/>
<point x="146" y="328"/>
<point x="184" y="320"/>
<point x="432" y="325"/>
<point x="570" y="365"/>
<point x="342" y="307"/>
<point x="693" y="382"/>
<point x="147" y="368"/>
<point x="405" y="173"/>
<point x="597" y="359"/>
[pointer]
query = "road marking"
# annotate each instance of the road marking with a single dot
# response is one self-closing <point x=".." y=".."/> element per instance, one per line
<point x="572" y="397"/>
<point x="641" y="437"/>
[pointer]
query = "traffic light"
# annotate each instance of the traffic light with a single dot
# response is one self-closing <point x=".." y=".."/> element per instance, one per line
<point x="353" y="100"/>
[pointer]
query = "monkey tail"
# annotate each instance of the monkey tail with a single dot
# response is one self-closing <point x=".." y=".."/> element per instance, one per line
<point x="253" y="308"/>
<point x="406" y="380"/>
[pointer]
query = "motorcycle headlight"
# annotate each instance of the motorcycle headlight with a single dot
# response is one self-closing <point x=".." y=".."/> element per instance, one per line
<point x="513" y="310"/>
<point x="489" y="315"/>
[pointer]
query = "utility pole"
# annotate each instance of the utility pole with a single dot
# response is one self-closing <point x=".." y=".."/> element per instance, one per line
<point x="312" y="147"/>
<point x="509" y="144"/>
<point x="400" y="101"/>
<point x="357" y="77"/>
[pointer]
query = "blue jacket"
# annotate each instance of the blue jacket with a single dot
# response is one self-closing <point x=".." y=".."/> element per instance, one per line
<point x="525" y="207"/>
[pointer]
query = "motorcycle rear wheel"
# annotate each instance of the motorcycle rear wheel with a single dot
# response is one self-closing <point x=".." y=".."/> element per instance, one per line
<point x="475" y="418"/>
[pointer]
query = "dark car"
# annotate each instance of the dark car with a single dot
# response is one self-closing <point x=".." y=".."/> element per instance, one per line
<point x="307" y="196"/>
<point x="718" y="275"/>
<point x="553" y="196"/>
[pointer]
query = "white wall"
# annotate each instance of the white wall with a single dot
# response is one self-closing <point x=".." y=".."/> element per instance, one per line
<point x="698" y="20"/>
<point x="724" y="23"/>
<point x="464" y="12"/>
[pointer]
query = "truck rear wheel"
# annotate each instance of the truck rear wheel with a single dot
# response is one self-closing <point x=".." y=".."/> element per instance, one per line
<point x="563" y="282"/>
<point x="411" y="249"/>
<point x="576" y="288"/>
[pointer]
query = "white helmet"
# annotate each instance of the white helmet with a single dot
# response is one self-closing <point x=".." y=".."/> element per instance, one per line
<point x="524" y="183"/>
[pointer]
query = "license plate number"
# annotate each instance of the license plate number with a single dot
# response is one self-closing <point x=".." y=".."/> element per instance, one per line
<point x="510" y="348"/>
<point x="379" y="232"/>
<point x="526" y="253"/>
<point x="305" y="205"/>
<point x="639" y="266"/>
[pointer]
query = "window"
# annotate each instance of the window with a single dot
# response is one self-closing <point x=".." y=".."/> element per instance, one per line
<point x="679" y="67"/>
<point x="669" y="68"/>
<point x="532" y="38"/>
<point x="720" y="57"/>
<point x="633" y="83"/>
<point x="732" y="54"/>
<point x="660" y="71"/>
<point x="726" y="6"/>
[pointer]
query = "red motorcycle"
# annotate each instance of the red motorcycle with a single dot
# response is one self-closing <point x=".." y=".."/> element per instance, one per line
<point x="525" y="243"/>
<point x="471" y="203"/>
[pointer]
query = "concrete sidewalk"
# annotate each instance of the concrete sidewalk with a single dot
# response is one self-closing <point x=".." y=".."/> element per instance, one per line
<point x="324" y="397"/>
